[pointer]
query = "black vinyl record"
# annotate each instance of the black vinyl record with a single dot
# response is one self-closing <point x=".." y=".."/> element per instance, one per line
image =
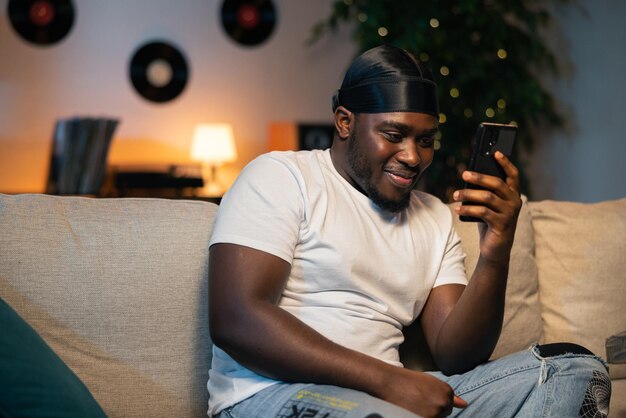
<point x="248" y="22"/>
<point x="158" y="71"/>
<point x="41" y="22"/>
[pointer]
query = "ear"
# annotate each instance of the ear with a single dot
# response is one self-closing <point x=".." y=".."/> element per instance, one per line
<point x="343" y="122"/>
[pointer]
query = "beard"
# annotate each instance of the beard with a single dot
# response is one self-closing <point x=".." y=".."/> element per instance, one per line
<point x="363" y="171"/>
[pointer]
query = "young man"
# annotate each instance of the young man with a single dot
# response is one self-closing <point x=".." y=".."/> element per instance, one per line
<point x="318" y="260"/>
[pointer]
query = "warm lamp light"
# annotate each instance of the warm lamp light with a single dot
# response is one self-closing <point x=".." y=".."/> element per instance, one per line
<point x="213" y="145"/>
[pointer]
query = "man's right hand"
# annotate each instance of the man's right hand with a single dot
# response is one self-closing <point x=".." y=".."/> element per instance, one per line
<point x="420" y="393"/>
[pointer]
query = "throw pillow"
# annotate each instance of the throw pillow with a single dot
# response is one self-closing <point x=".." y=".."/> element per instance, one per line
<point x="34" y="381"/>
<point x="580" y="250"/>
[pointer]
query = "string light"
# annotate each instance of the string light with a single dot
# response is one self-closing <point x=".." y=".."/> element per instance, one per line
<point x="382" y="31"/>
<point x="434" y="23"/>
<point x="468" y="112"/>
<point x="514" y="123"/>
<point x="362" y="17"/>
<point x="501" y="104"/>
<point x="502" y="53"/>
<point x="437" y="144"/>
<point x="424" y="57"/>
<point x="490" y="112"/>
<point x="442" y="118"/>
<point x="444" y="70"/>
<point x="454" y="92"/>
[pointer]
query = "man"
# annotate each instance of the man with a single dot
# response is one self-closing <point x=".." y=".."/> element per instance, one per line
<point x="318" y="260"/>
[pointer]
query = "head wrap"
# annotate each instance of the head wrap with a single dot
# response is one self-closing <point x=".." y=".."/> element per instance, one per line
<point x="387" y="79"/>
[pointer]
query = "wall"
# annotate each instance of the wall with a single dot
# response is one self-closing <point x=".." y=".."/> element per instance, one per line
<point x="584" y="161"/>
<point x="281" y="80"/>
<point x="86" y="74"/>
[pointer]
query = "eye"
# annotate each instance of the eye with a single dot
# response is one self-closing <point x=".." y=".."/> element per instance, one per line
<point x="427" y="141"/>
<point x="393" y="136"/>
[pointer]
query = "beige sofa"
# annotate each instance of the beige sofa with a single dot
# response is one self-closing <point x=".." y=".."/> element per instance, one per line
<point x="118" y="288"/>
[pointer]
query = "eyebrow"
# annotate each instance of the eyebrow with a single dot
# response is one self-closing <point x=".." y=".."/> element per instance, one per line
<point x="404" y="128"/>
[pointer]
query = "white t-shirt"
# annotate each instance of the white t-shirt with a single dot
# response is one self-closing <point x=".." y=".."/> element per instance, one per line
<point x="358" y="273"/>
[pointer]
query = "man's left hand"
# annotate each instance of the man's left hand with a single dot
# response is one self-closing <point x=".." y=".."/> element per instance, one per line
<point x="498" y="206"/>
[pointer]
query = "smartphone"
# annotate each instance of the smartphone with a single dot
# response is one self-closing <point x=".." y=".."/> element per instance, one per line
<point x="489" y="138"/>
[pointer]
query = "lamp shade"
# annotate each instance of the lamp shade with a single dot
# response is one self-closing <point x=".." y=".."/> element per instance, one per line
<point x="213" y="144"/>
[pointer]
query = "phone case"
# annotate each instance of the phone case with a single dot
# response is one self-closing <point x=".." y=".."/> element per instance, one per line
<point x="489" y="138"/>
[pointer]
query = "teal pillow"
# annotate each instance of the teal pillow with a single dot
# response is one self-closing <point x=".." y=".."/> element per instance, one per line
<point x="34" y="381"/>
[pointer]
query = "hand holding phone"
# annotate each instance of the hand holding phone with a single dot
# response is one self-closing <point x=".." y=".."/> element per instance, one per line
<point x="489" y="138"/>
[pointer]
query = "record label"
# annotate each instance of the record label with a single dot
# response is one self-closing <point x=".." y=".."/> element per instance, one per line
<point x="248" y="22"/>
<point x="42" y="22"/>
<point x="158" y="71"/>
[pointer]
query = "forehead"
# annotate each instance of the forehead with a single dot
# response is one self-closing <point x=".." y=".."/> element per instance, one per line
<point x="409" y="121"/>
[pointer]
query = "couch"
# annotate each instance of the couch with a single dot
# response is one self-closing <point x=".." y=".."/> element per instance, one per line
<point x="117" y="288"/>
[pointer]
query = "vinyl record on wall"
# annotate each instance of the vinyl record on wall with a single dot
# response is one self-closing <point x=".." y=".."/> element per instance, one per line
<point x="42" y="22"/>
<point x="158" y="71"/>
<point x="248" y="22"/>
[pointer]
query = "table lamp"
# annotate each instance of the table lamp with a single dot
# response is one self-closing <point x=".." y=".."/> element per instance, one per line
<point x="213" y="145"/>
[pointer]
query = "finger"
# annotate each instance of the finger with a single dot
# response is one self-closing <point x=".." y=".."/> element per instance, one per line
<point x="512" y="172"/>
<point x="483" y="180"/>
<point x="504" y="190"/>
<point x="459" y="403"/>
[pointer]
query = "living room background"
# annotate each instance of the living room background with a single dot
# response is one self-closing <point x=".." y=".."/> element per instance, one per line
<point x="282" y="79"/>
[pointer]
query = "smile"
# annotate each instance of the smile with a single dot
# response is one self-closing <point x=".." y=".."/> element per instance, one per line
<point x="402" y="180"/>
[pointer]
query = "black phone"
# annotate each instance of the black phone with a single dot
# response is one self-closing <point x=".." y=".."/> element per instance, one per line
<point x="489" y="138"/>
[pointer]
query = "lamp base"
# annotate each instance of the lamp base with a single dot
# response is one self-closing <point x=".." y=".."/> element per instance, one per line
<point x="211" y="189"/>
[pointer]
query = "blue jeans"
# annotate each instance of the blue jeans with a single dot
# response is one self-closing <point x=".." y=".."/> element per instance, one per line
<point x="524" y="384"/>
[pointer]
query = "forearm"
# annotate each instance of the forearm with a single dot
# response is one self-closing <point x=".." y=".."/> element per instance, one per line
<point x="470" y="332"/>
<point x="274" y="343"/>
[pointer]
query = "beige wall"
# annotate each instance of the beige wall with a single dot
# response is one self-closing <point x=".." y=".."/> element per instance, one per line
<point x="86" y="74"/>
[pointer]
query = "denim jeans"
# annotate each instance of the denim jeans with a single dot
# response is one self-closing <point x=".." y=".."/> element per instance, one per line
<point x="524" y="384"/>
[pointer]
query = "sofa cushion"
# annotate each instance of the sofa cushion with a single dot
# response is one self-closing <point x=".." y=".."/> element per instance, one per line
<point x="118" y="288"/>
<point x="580" y="251"/>
<point x="34" y="381"/>
<point x="522" y="316"/>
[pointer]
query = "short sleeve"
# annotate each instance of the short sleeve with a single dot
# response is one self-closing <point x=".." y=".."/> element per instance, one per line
<point x="263" y="208"/>
<point x="452" y="269"/>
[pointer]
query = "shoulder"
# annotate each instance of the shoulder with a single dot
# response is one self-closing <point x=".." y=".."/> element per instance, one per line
<point x="428" y="201"/>
<point x="427" y="206"/>
<point x="295" y="162"/>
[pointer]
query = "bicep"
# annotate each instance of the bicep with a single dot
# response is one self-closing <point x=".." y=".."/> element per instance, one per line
<point x="240" y="277"/>
<point x="439" y="304"/>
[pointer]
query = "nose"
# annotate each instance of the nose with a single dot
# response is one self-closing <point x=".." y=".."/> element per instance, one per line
<point x="409" y="155"/>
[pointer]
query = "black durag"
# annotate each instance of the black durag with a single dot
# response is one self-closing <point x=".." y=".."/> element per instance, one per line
<point x="387" y="79"/>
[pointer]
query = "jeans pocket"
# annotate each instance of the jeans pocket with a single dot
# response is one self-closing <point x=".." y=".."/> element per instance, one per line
<point x="225" y="413"/>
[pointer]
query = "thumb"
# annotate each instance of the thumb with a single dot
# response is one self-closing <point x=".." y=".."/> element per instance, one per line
<point x="458" y="402"/>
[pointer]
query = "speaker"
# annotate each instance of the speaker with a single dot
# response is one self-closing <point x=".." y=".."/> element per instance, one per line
<point x="285" y="136"/>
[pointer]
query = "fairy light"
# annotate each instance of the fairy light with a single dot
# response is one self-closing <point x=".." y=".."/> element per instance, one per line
<point x="442" y="118"/>
<point x="501" y="104"/>
<point x="362" y="17"/>
<point x="382" y="31"/>
<point x="502" y="53"/>
<point x="434" y="23"/>
<point x="424" y="57"/>
<point x="490" y="112"/>
<point x="444" y="70"/>
<point x="437" y="144"/>
<point x="468" y="112"/>
<point x="454" y="92"/>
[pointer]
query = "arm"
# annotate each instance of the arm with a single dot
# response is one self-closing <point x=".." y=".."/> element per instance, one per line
<point x="245" y="321"/>
<point x="462" y="326"/>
